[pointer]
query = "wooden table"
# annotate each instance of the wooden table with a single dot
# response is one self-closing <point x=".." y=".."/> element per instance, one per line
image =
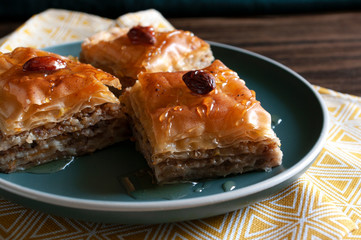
<point x="323" y="48"/>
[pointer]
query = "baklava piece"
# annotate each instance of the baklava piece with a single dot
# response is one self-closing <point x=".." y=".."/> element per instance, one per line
<point x="52" y="107"/>
<point x="200" y="124"/>
<point x="126" y="52"/>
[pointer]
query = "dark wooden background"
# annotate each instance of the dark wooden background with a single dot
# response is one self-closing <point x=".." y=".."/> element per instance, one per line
<point x="324" y="48"/>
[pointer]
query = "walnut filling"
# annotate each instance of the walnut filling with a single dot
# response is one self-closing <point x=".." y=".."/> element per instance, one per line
<point x="174" y="170"/>
<point x="88" y="140"/>
<point x="85" y="132"/>
<point x="207" y="163"/>
<point x="83" y="119"/>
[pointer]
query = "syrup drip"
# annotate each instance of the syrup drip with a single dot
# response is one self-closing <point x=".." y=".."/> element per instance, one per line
<point x="141" y="185"/>
<point x="276" y="120"/>
<point x="51" y="167"/>
<point x="229" y="186"/>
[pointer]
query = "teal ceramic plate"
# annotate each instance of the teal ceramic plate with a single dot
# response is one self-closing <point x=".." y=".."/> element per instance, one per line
<point x="90" y="189"/>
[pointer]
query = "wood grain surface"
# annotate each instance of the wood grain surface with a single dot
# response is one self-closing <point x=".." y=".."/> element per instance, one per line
<point x="323" y="48"/>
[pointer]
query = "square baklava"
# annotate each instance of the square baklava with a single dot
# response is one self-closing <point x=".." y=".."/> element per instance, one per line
<point x="53" y="107"/>
<point x="125" y="52"/>
<point x="201" y="124"/>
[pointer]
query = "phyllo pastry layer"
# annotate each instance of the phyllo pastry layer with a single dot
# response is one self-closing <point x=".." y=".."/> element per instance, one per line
<point x="52" y="107"/>
<point x="186" y="134"/>
<point x="126" y="52"/>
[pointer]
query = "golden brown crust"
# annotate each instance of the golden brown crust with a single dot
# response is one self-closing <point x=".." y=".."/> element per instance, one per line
<point x="176" y="118"/>
<point x="175" y="50"/>
<point x="29" y="99"/>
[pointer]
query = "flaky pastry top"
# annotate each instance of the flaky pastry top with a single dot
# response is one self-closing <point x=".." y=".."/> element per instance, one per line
<point x="113" y="50"/>
<point x="30" y="99"/>
<point x="176" y="119"/>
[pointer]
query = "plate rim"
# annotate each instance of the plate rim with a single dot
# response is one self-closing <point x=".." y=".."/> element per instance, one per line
<point x="149" y="206"/>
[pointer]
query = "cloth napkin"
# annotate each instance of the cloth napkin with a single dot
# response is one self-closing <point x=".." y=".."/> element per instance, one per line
<point x="324" y="203"/>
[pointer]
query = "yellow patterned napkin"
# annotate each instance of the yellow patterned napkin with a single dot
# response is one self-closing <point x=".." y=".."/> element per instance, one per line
<point x="325" y="203"/>
<point x="54" y="27"/>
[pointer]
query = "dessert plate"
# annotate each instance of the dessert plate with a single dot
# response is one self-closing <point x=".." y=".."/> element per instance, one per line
<point x="90" y="187"/>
